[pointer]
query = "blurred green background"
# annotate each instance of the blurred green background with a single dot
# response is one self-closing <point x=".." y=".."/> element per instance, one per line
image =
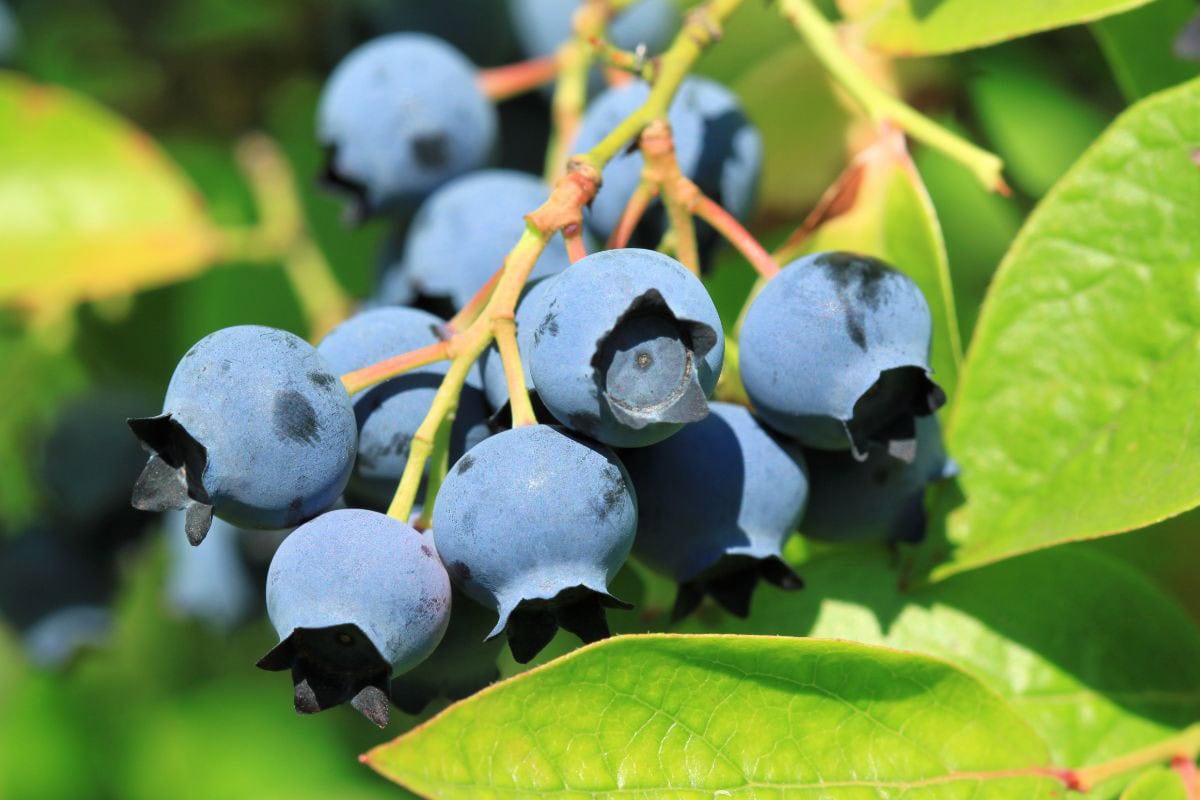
<point x="171" y="707"/>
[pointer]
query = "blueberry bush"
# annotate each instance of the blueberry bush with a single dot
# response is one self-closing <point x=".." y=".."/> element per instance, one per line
<point x="602" y="398"/>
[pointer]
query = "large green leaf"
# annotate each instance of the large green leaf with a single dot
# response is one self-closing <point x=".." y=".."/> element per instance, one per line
<point x="1138" y="46"/>
<point x="1095" y="678"/>
<point x="90" y="207"/>
<point x="880" y="207"/>
<point x="716" y="716"/>
<point x="1076" y="414"/>
<point x="922" y="27"/>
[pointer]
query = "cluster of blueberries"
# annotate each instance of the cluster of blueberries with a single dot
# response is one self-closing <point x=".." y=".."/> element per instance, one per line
<point x="622" y="352"/>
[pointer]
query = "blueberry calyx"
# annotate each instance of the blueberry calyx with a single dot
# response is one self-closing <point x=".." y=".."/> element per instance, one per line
<point x="172" y="478"/>
<point x="886" y="413"/>
<point x="532" y="623"/>
<point x="331" y="666"/>
<point x="645" y="365"/>
<point x="731" y="583"/>
<point x="358" y="207"/>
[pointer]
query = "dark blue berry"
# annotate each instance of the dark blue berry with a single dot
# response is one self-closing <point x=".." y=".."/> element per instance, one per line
<point x="534" y="523"/>
<point x="400" y="116"/>
<point x="389" y="414"/>
<point x="355" y="597"/>
<point x="835" y="354"/>
<point x="628" y="348"/>
<point x="717" y="501"/>
<point x="255" y="428"/>
<point x="878" y="499"/>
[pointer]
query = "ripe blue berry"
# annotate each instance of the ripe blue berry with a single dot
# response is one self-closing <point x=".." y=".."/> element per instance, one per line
<point x="255" y="428"/>
<point x="399" y="116"/>
<point x="628" y="348"/>
<point x="877" y="499"/>
<point x="210" y="584"/>
<point x="835" y="353"/>
<point x="10" y="34"/>
<point x="462" y="233"/>
<point x="542" y="26"/>
<point x="534" y="523"/>
<point x="57" y="639"/>
<point x="716" y="146"/>
<point x="461" y="665"/>
<point x="354" y="596"/>
<point x="389" y="414"/>
<point x="716" y="502"/>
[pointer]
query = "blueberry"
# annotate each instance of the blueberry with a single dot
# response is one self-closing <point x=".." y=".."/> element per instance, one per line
<point x="716" y="502"/>
<point x="529" y="314"/>
<point x="256" y="428"/>
<point x="534" y="523"/>
<point x="542" y="26"/>
<point x="10" y="34"/>
<point x="86" y="425"/>
<point x="879" y="499"/>
<point x="716" y="146"/>
<point x="399" y="116"/>
<point x="355" y="596"/>
<point x="462" y="233"/>
<point x="210" y="584"/>
<point x="41" y="573"/>
<point x="628" y="349"/>
<point x="460" y="666"/>
<point x="389" y="414"/>
<point x="59" y="638"/>
<point x="835" y="353"/>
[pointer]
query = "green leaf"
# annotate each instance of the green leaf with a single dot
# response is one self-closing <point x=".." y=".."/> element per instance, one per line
<point x="90" y="207"/>
<point x="704" y="716"/>
<point x="880" y="207"/>
<point x="978" y="226"/>
<point x="804" y="138"/>
<point x="1095" y="678"/>
<point x="923" y="27"/>
<point x="1076" y="413"/>
<point x="1036" y="124"/>
<point x="1138" y="47"/>
<point x="1156" y="784"/>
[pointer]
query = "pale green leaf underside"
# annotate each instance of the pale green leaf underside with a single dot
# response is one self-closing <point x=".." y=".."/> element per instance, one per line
<point x="1077" y="413"/>
<point x="923" y="27"/>
<point x="718" y="716"/>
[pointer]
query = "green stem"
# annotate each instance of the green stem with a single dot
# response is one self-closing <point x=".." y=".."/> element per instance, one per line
<point x="439" y="465"/>
<point x="881" y="106"/>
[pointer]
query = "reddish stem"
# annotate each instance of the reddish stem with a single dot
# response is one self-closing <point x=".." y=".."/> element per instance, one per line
<point x="501" y="83"/>
<point x="573" y="236"/>
<point x="467" y="314"/>
<point x="1185" y="768"/>
<point x="396" y="365"/>
<point x="632" y="215"/>
<point x="737" y="235"/>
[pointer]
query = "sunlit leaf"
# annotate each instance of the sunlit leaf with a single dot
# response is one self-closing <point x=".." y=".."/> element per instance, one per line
<point x="718" y="716"/>
<point x="1097" y="679"/>
<point x="90" y="207"/>
<point x="1076" y="415"/>
<point x="922" y="27"/>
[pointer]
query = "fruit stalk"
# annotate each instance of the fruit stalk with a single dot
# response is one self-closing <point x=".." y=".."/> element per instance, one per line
<point x="879" y="105"/>
<point x="634" y="209"/>
<point x="502" y="83"/>
<point x="387" y="369"/>
<point x="678" y="192"/>
<point x="736" y="234"/>
<point x="563" y="208"/>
